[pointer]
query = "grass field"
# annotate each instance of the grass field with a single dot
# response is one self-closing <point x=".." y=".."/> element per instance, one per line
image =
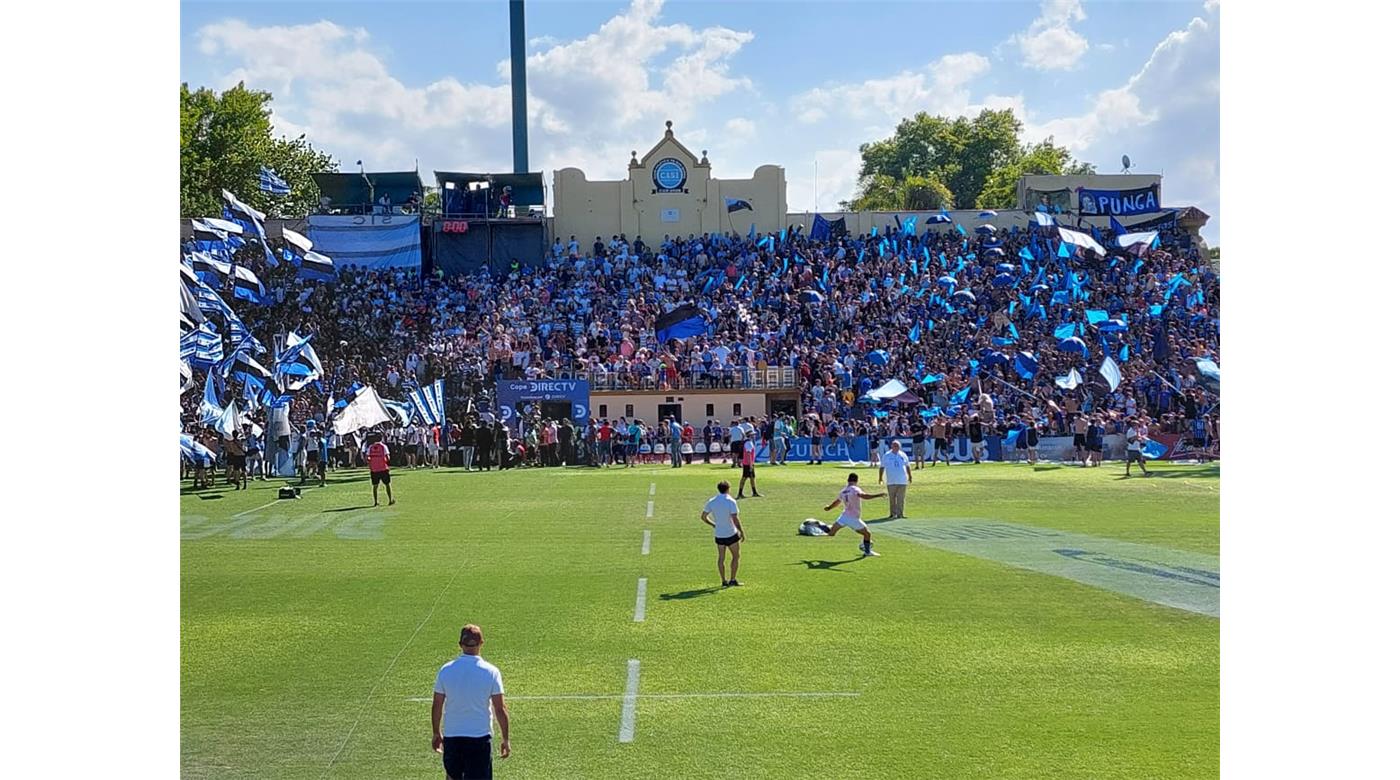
<point x="311" y="630"/>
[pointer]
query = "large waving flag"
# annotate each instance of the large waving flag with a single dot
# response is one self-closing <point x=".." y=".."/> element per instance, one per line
<point x="186" y="376"/>
<point x="208" y="346"/>
<point x="251" y="220"/>
<point x="1081" y="239"/>
<point x="298" y="365"/>
<point x="247" y="286"/>
<point x="737" y="204"/>
<point x="209" y="406"/>
<point x="362" y="410"/>
<point x="1153" y="449"/>
<point x="427" y="403"/>
<point x="1110" y="372"/>
<point x="1070" y="381"/>
<point x="682" y="322"/>
<point x="209" y="270"/>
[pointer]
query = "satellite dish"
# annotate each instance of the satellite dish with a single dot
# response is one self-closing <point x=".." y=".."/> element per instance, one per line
<point x="1126" y="163"/>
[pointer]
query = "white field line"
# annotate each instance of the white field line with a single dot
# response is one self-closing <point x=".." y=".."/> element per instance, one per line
<point x="369" y="696"/>
<point x="640" y="613"/>
<point x="646" y="542"/>
<point x="268" y="504"/>
<point x="652" y="490"/>
<point x="713" y="695"/>
<point x="651" y="507"/>
<point x="629" y="700"/>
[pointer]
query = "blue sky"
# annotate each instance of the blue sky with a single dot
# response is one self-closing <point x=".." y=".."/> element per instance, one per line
<point x="754" y="83"/>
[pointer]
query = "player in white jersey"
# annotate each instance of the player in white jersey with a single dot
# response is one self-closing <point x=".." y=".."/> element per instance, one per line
<point x="850" y="499"/>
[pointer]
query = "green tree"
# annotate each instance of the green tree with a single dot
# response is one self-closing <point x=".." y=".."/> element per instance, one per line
<point x="1042" y="159"/>
<point x="961" y="156"/>
<point x="225" y="139"/>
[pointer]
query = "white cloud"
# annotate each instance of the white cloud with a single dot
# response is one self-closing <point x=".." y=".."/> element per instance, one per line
<point x="739" y="129"/>
<point x="619" y="81"/>
<point x="940" y="87"/>
<point x="1050" y="43"/>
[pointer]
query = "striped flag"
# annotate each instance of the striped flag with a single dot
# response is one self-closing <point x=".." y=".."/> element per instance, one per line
<point x="251" y="220"/>
<point x="317" y="267"/>
<point x="298" y="366"/>
<point x="247" y="286"/>
<point x="271" y="183"/>
<point x="427" y="403"/>
<point x="215" y="230"/>
<point x="208" y="346"/>
<point x="241" y="365"/>
<point x="209" y="270"/>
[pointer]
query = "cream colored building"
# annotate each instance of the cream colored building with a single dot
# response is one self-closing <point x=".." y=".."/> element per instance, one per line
<point x="668" y="191"/>
<point x="694" y="406"/>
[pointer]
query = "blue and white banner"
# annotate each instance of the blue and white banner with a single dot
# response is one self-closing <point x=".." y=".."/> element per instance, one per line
<point x="369" y="240"/>
<point x="1146" y="200"/>
<point x="427" y="403"/>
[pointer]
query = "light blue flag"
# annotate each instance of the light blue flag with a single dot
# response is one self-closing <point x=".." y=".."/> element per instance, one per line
<point x="1152" y="450"/>
<point x="1026" y="254"/>
<point x="1123" y="353"/>
<point x="874" y="232"/>
<point x="1110" y="372"/>
<point x="930" y="379"/>
<point x="1063" y="251"/>
<point x="914" y="334"/>
<point x="1015" y="334"/>
<point x="960" y="397"/>
<point x="960" y="230"/>
<point x="1065" y="331"/>
<point x="1095" y="316"/>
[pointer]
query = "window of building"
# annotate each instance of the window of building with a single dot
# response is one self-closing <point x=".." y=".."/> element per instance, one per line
<point x="602" y="410"/>
<point x="709" y="410"/>
<point x="738" y="410"/>
<point x="627" y="411"/>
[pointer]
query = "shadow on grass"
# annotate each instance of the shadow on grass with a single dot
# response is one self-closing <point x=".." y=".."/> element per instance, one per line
<point x="825" y="565"/>
<point x="1048" y="468"/>
<point x="1210" y="472"/>
<point x="201" y="495"/>
<point x="689" y="594"/>
<point x="348" y="508"/>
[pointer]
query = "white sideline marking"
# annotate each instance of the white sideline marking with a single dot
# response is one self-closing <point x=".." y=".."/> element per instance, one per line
<point x="646" y="542"/>
<point x="392" y="662"/>
<point x="651" y="506"/>
<point x="652" y="490"/>
<point x="629" y="700"/>
<point x="265" y="506"/>
<point x="715" y="695"/>
<point x="640" y="613"/>
<point x="255" y="509"/>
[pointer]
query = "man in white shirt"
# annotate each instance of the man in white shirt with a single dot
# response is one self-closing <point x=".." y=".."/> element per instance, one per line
<point x="722" y="514"/>
<point x="895" y="464"/>
<point x="1137" y="431"/>
<point x="850" y="498"/>
<point x="461" y="719"/>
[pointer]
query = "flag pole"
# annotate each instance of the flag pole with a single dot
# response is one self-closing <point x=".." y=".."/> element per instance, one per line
<point x="1013" y="387"/>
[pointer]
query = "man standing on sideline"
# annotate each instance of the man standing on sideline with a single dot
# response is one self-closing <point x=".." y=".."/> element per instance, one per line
<point x="675" y="431"/>
<point x="748" y="455"/>
<point x="850" y="498"/>
<point x="1136" y="433"/>
<point x="894" y="464"/>
<point x="378" y="457"/>
<point x="461" y="719"/>
<point x="722" y="514"/>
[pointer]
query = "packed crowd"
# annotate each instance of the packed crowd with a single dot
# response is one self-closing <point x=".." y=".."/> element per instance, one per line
<point x="940" y="311"/>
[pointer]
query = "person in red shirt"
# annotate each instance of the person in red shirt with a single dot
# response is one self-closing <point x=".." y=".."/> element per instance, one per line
<point x="605" y="434"/>
<point x="378" y="457"/>
<point x="688" y="442"/>
<point x="750" y="453"/>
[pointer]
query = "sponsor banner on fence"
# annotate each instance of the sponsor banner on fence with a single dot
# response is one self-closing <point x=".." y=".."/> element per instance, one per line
<point x="1051" y="448"/>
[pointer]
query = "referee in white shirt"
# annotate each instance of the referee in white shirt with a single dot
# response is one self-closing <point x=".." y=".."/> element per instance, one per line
<point x="894" y="471"/>
<point x="461" y="719"/>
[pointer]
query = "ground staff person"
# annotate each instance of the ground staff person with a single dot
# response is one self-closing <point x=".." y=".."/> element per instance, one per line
<point x="461" y="719"/>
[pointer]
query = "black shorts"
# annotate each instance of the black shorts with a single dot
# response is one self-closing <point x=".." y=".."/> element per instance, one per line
<point x="375" y="477"/>
<point x="747" y="471"/>
<point x="467" y="758"/>
<point x="940" y="444"/>
<point x="726" y="541"/>
<point x="238" y="461"/>
<point x="313" y="456"/>
<point x="1095" y="445"/>
<point x="1136" y="455"/>
<point x="1078" y="440"/>
<point x="736" y="447"/>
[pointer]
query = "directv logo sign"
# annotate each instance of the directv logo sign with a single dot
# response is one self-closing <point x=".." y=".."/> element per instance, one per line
<point x="669" y="175"/>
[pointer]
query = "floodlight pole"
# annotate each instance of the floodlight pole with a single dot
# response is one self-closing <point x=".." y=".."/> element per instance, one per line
<point x="520" y="139"/>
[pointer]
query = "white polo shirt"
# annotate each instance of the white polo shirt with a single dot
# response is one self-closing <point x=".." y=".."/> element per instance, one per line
<point x="468" y="682"/>
<point x="895" y="465"/>
<point x="722" y="509"/>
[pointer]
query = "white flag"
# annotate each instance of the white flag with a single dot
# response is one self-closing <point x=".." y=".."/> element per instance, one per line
<point x="1110" y="371"/>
